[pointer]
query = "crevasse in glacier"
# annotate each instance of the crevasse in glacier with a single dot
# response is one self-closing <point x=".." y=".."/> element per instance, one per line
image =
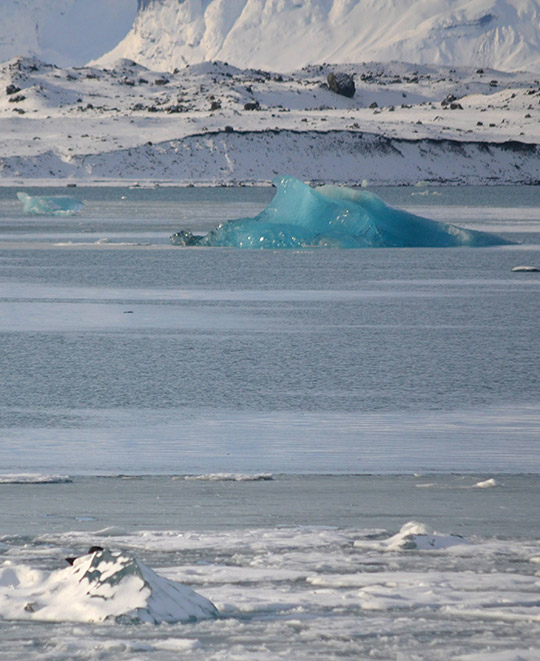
<point x="50" y="205"/>
<point x="333" y="217"/>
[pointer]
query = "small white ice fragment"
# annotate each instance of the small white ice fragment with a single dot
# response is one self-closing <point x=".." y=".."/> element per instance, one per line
<point x="525" y="269"/>
<point x="486" y="484"/>
<point x="418" y="536"/>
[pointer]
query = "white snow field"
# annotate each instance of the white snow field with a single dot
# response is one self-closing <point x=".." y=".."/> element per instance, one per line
<point x="214" y="123"/>
<point x="160" y="103"/>
<point x="64" y="32"/>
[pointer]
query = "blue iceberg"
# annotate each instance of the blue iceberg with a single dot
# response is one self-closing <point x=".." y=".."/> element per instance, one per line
<point x="333" y="217"/>
<point x="50" y="205"/>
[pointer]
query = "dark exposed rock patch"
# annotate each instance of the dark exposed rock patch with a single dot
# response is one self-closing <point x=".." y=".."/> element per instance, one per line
<point x="341" y="83"/>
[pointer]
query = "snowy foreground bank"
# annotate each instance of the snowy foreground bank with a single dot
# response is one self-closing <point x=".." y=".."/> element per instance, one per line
<point x="217" y="124"/>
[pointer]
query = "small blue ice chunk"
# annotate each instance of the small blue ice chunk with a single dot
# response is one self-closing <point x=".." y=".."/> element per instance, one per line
<point x="50" y="205"/>
<point x="334" y="217"/>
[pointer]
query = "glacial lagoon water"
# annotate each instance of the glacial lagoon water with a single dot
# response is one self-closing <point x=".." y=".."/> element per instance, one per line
<point x="257" y="425"/>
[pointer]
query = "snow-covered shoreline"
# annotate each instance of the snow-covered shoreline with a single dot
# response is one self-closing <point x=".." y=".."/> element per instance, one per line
<point x="254" y="157"/>
<point x="215" y="125"/>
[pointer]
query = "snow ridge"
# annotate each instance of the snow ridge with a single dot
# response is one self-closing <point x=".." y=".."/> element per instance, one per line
<point x="282" y="35"/>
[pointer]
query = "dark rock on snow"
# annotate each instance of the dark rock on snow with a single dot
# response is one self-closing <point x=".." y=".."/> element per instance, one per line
<point x="341" y="83"/>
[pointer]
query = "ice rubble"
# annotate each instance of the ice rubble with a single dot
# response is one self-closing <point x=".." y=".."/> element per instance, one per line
<point x="419" y="536"/>
<point x="414" y="536"/>
<point x="333" y="217"/>
<point x="50" y="205"/>
<point x="100" y="586"/>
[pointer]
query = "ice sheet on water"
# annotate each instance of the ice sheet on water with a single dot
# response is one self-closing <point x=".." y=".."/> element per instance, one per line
<point x="100" y="586"/>
<point x="487" y="484"/>
<point x="333" y="217"/>
<point x="33" y="478"/>
<point x="230" y="477"/>
<point x="306" y="588"/>
<point x="50" y="205"/>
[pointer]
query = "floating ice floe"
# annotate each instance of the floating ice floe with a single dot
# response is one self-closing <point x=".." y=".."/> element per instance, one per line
<point x="50" y="205"/>
<point x="416" y="536"/>
<point x="333" y="217"/>
<point x="100" y="586"/>
<point x="487" y="484"/>
<point x="419" y="536"/>
<point x="33" y="478"/>
<point x="231" y="477"/>
<point x="525" y="269"/>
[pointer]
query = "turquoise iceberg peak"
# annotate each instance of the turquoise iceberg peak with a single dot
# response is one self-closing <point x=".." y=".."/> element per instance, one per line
<point x="300" y="216"/>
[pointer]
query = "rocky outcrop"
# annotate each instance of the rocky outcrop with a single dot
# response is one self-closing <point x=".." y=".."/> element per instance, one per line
<point x="341" y="83"/>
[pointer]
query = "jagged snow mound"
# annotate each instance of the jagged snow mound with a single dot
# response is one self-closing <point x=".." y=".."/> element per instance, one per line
<point x="285" y="35"/>
<point x="333" y="217"/>
<point x="419" y="536"/>
<point x="99" y="586"/>
<point x="50" y="205"/>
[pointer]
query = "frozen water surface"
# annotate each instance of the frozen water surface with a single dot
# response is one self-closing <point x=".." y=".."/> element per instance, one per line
<point x="339" y="449"/>
<point x="298" y="566"/>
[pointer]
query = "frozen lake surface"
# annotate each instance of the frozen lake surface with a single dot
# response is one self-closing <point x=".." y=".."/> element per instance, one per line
<point x="322" y="399"/>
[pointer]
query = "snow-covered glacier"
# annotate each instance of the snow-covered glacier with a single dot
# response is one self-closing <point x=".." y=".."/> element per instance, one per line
<point x="100" y="586"/>
<point x="300" y="216"/>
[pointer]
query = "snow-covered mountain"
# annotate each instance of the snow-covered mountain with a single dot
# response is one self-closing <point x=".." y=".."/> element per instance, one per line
<point x="283" y="35"/>
<point x="63" y="32"/>
<point x="279" y="35"/>
<point x="159" y="114"/>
